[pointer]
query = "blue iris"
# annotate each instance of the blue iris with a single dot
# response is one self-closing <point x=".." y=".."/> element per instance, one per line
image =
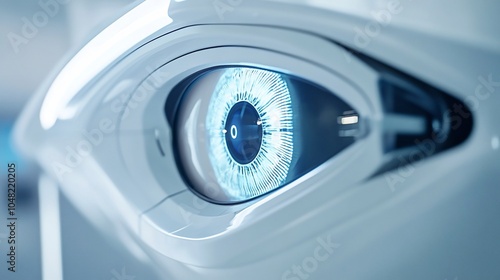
<point x="250" y="131"/>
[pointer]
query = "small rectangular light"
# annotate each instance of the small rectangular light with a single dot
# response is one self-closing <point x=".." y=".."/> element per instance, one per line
<point x="349" y="120"/>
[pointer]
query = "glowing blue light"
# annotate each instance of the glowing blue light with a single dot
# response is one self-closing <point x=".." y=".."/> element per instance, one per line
<point x="268" y="93"/>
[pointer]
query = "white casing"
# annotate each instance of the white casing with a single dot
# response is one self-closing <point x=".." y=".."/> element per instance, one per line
<point x="419" y="226"/>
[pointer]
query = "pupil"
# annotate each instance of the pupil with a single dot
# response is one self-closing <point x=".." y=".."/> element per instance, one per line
<point x="243" y="132"/>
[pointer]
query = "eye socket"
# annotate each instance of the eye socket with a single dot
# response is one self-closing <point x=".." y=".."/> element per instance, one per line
<point x="243" y="132"/>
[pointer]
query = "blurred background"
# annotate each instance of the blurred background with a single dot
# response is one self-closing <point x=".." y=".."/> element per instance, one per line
<point x="37" y="36"/>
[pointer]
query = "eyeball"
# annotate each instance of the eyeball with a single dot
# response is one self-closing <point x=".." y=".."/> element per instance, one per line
<point x="242" y="132"/>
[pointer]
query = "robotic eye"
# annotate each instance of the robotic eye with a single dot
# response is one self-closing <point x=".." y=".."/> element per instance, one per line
<point x="243" y="132"/>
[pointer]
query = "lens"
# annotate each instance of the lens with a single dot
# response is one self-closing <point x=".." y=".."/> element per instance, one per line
<point x="243" y="132"/>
